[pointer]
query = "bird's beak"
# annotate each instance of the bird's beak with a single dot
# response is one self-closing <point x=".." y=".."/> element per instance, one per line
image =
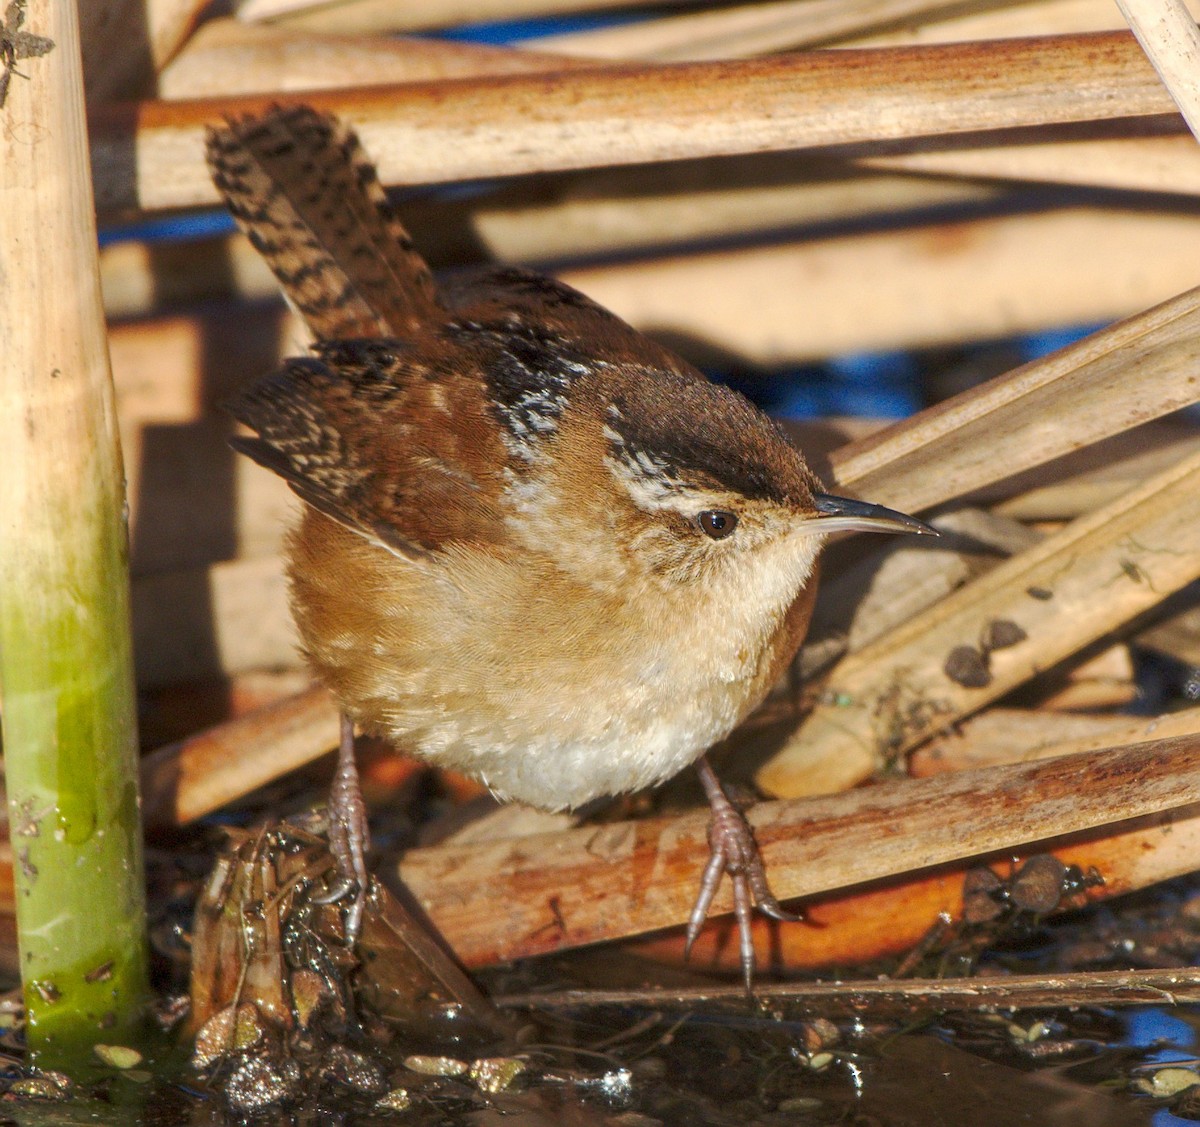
<point x="841" y="514"/>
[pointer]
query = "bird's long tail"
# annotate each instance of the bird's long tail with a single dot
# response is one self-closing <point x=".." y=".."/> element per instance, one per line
<point x="298" y="183"/>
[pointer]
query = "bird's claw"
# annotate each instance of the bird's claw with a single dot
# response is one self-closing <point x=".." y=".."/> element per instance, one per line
<point x="733" y="850"/>
<point x="348" y="891"/>
<point x="769" y="906"/>
<point x="349" y="840"/>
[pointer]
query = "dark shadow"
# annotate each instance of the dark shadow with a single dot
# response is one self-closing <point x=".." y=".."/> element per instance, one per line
<point x="187" y="518"/>
<point x="1151" y="125"/>
<point x="117" y="61"/>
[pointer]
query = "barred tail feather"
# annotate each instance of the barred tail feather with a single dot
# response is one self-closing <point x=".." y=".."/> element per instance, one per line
<point x="300" y="186"/>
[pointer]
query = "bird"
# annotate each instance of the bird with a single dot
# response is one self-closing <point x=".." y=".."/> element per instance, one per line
<point x="536" y="546"/>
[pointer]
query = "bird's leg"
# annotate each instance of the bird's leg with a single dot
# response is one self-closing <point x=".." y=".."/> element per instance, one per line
<point x="349" y="837"/>
<point x="733" y="850"/>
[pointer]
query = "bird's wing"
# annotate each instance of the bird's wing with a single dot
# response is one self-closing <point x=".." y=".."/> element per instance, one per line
<point x="389" y="441"/>
<point x="383" y="428"/>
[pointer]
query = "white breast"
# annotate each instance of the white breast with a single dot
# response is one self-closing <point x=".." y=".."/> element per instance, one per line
<point x="562" y="727"/>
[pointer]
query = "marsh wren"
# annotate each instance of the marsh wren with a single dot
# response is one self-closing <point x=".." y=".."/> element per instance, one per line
<point x="537" y="547"/>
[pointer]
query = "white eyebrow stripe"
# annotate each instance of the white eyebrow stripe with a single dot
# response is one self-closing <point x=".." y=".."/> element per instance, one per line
<point x="648" y="492"/>
<point x="654" y="489"/>
<point x="651" y="481"/>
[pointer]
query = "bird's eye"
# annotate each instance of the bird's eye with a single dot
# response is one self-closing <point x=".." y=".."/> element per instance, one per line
<point x="717" y="523"/>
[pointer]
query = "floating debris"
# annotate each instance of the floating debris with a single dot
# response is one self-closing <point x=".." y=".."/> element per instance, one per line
<point x="436" y="1066"/>
<point x="1167" y="1082"/>
<point x="257" y="1083"/>
<point x="231" y="1030"/>
<point x="495" y="1074"/>
<point x="46" y="1085"/>
<point x="353" y="1070"/>
<point x="118" y="1056"/>
<point x="397" y="1099"/>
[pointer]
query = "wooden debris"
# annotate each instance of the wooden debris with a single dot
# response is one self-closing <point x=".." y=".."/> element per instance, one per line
<point x="187" y="780"/>
<point x="544" y="893"/>
<point x="1009" y="735"/>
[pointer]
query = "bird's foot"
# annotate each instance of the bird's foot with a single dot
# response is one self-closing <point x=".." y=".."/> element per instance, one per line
<point x="349" y="839"/>
<point x="733" y="850"/>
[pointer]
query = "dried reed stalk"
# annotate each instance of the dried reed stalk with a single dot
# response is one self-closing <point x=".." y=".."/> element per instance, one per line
<point x="941" y="280"/>
<point x="890" y="917"/>
<point x="581" y="216"/>
<point x="750" y="29"/>
<point x="502" y="900"/>
<point x="742" y="30"/>
<point x="1077" y="586"/>
<point x="151" y="156"/>
<point x="1098" y="474"/>
<point x="1103" y="682"/>
<point x="923" y="285"/>
<point x="882" y="999"/>
<point x="219" y="60"/>
<point x="344" y="16"/>
<point x="1169" y="36"/>
<point x="1070" y="399"/>
<point x="185" y="781"/>
<point x="228" y="57"/>
<point x="1010" y="735"/>
<point x="986" y="21"/>
<point x="1177" y="636"/>
<point x="1166" y="162"/>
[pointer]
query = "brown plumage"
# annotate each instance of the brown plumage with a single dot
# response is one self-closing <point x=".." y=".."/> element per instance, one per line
<point x="537" y="546"/>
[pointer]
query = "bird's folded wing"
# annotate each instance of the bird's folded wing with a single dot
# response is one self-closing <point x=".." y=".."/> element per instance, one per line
<point x="382" y="439"/>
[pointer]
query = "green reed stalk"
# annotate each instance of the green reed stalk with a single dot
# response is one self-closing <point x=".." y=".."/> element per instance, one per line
<point x="66" y="670"/>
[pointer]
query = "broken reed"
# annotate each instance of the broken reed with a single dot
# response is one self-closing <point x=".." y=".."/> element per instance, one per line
<point x="66" y="669"/>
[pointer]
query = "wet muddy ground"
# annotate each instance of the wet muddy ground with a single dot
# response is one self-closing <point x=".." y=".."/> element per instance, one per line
<point x="730" y="1061"/>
